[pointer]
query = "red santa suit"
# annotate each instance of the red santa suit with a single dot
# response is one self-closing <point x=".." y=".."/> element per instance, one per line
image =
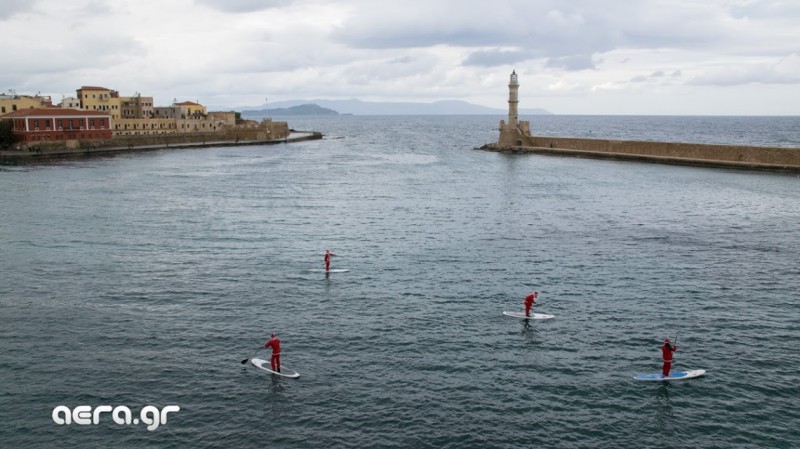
<point x="666" y="351"/>
<point x="530" y="300"/>
<point x="275" y="360"/>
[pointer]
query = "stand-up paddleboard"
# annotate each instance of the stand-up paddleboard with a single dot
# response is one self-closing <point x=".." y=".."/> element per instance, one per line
<point x="264" y="364"/>
<point x="333" y="270"/>
<point x="675" y="375"/>
<point x="534" y="316"/>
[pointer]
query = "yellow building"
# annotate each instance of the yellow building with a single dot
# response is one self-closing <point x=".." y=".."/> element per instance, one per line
<point x="189" y="109"/>
<point x="13" y="102"/>
<point x="94" y="98"/>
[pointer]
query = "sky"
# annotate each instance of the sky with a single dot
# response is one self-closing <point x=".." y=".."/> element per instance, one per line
<point x="654" y="57"/>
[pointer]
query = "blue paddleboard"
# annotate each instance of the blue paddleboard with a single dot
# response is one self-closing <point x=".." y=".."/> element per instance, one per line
<point x="675" y="375"/>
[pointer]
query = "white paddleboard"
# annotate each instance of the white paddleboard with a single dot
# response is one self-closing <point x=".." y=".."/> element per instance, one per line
<point x="333" y="270"/>
<point x="264" y="364"/>
<point x="674" y="375"/>
<point x="534" y="316"/>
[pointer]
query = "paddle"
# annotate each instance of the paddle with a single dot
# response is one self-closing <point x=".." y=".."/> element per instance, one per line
<point x="251" y="356"/>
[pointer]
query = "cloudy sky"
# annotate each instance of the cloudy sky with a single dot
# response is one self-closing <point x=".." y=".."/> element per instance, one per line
<point x="686" y="57"/>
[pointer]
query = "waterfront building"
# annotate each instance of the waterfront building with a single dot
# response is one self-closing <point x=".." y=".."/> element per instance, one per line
<point x="136" y="107"/>
<point x="140" y="126"/>
<point x="70" y="103"/>
<point x="173" y="112"/>
<point x="95" y="98"/>
<point x="12" y="102"/>
<point x="189" y="109"/>
<point x="39" y="125"/>
<point x="225" y="118"/>
<point x="183" y="110"/>
<point x="101" y="113"/>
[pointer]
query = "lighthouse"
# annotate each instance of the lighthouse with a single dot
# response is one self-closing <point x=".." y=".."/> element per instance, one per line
<point x="515" y="132"/>
<point x="513" y="99"/>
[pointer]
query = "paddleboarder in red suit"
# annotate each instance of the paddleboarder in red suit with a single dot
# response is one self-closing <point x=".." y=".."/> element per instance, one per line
<point x="666" y="351"/>
<point x="328" y="255"/>
<point x="530" y="300"/>
<point x="275" y="360"/>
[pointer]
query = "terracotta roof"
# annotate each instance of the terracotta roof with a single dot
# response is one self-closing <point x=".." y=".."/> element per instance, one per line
<point x="53" y="112"/>
<point x="188" y="103"/>
<point x="92" y="88"/>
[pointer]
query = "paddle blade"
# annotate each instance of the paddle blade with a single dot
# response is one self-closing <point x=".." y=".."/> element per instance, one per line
<point x="244" y="361"/>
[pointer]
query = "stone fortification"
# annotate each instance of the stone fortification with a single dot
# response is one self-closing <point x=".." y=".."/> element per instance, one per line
<point x="265" y="132"/>
<point x="260" y="132"/>
<point x="664" y="152"/>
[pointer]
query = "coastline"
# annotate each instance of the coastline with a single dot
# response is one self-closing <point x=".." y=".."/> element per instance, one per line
<point x="30" y="154"/>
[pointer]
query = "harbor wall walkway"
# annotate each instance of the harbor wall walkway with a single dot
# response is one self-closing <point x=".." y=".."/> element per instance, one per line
<point x="149" y="144"/>
<point x="748" y="157"/>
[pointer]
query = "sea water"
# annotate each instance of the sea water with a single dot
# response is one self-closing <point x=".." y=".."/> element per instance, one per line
<point x="146" y="278"/>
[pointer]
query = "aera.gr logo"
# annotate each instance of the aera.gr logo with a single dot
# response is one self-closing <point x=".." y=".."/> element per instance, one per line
<point x="84" y="415"/>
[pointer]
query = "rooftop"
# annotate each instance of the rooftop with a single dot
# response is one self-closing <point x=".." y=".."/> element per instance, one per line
<point x="54" y="112"/>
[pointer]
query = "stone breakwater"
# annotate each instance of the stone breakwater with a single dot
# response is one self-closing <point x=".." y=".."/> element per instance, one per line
<point x="150" y="143"/>
<point x="762" y="158"/>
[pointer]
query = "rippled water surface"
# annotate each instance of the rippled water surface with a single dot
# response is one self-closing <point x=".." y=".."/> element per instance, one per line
<point x="146" y="278"/>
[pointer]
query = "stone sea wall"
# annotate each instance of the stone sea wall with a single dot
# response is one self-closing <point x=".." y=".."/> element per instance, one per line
<point x="272" y="132"/>
<point x="663" y="152"/>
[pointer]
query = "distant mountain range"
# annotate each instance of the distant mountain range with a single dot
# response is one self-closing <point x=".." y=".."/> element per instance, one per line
<point x="358" y="107"/>
<point x="303" y="109"/>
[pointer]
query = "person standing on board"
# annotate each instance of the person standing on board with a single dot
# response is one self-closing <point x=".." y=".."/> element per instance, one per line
<point x="666" y="351"/>
<point x="275" y="360"/>
<point x="530" y="300"/>
<point x="328" y="255"/>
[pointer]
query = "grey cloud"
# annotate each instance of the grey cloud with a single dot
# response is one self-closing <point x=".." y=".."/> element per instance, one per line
<point x="243" y="6"/>
<point x="417" y="23"/>
<point x="655" y="76"/>
<point x="572" y="62"/>
<point x="492" y="58"/>
<point x="785" y="71"/>
<point x="564" y="32"/>
<point x="416" y="36"/>
<point x="12" y="7"/>
<point x="107" y="50"/>
<point x="766" y="9"/>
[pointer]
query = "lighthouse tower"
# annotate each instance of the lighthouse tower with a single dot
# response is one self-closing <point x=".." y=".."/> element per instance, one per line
<point x="513" y="100"/>
<point x="516" y="132"/>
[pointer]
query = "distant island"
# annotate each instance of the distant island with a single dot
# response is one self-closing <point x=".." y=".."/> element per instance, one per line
<point x="303" y="109"/>
<point x="358" y="107"/>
